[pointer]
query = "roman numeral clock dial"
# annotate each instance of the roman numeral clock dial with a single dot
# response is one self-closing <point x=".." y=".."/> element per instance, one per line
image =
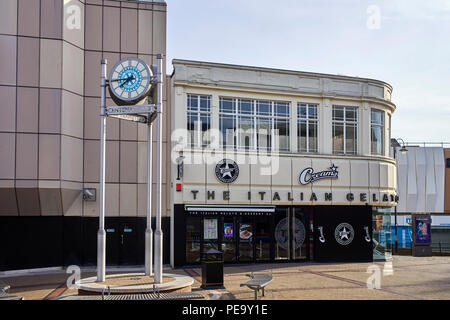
<point x="130" y="82"/>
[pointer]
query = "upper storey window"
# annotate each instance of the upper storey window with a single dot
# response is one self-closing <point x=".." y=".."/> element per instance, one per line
<point x="377" y="132"/>
<point x="254" y="125"/>
<point x="198" y="120"/>
<point x="307" y="128"/>
<point x="345" y="130"/>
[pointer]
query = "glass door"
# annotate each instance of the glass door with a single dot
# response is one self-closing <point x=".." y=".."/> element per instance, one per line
<point x="299" y="241"/>
<point x="262" y="238"/>
<point x="282" y="234"/>
<point x="193" y="239"/>
<point x="246" y="239"/>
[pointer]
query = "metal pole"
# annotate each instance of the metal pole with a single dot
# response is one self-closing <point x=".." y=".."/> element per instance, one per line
<point x="395" y="209"/>
<point x="101" y="235"/>
<point x="158" y="231"/>
<point x="149" y="232"/>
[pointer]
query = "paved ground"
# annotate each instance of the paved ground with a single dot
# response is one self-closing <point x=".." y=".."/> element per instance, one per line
<point x="406" y="278"/>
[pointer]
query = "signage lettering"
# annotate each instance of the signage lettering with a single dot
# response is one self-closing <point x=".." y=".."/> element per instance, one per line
<point x="350" y="197"/>
<point x="309" y="176"/>
<point x="288" y="196"/>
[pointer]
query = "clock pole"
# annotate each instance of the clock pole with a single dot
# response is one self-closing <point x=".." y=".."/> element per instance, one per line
<point x="158" y="231"/>
<point x="149" y="232"/>
<point x="101" y="235"/>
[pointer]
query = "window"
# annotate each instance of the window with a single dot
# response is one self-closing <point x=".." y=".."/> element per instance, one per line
<point x="257" y="125"/>
<point x="377" y="132"/>
<point x="345" y="128"/>
<point x="198" y="120"/>
<point x="227" y="121"/>
<point x="281" y="126"/>
<point x="307" y="128"/>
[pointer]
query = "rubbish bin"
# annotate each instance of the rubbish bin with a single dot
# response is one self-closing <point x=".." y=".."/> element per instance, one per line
<point x="212" y="268"/>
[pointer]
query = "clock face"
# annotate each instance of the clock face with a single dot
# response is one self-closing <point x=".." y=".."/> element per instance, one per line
<point x="130" y="81"/>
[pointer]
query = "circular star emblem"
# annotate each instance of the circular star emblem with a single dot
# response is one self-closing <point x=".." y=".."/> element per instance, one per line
<point x="344" y="234"/>
<point x="227" y="171"/>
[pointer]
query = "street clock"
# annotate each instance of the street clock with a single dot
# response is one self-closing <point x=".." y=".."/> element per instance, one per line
<point x="130" y="81"/>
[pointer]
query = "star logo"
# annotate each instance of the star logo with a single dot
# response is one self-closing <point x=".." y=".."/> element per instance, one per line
<point x="344" y="234"/>
<point x="227" y="171"/>
<point x="333" y="168"/>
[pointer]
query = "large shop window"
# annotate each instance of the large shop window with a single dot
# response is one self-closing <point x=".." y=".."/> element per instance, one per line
<point x="193" y="240"/>
<point x="307" y="128"/>
<point x="198" y="120"/>
<point x="345" y="130"/>
<point x="254" y="125"/>
<point x="382" y="238"/>
<point x="377" y="132"/>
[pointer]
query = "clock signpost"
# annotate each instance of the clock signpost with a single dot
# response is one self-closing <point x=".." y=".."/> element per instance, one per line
<point x="130" y="83"/>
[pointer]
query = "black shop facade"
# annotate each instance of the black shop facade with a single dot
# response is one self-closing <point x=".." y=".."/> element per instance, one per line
<point x="312" y="228"/>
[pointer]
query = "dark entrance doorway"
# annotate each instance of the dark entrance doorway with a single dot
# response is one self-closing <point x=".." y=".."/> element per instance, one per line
<point x="290" y="233"/>
<point x="121" y="242"/>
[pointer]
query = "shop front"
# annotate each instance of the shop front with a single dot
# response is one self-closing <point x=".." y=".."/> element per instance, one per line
<point x="258" y="234"/>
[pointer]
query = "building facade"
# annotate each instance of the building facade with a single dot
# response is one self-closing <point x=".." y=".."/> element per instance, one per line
<point x="423" y="177"/>
<point x="50" y="53"/>
<point x="277" y="165"/>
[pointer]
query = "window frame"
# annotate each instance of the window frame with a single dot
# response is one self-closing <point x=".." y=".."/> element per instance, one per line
<point x="344" y="123"/>
<point x="198" y="113"/>
<point x="255" y="116"/>
<point x="307" y="120"/>
<point x="383" y="134"/>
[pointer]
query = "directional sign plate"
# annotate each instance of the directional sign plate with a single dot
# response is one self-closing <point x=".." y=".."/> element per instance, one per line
<point x="134" y="118"/>
<point x="123" y="110"/>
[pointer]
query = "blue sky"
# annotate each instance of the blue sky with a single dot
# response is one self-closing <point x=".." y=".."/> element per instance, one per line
<point x="408" y="46"/>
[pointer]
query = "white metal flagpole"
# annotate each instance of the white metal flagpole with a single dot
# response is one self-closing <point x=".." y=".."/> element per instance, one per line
<point x="149" y="232"/>
<point x="158" y="231"/>
<point x="101" y="235"/>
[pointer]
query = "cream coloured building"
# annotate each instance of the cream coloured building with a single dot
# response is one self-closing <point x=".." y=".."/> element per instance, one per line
<point x="273" y="125"/>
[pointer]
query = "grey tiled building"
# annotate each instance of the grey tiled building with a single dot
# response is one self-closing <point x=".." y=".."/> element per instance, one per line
<point x="50" y="53"/>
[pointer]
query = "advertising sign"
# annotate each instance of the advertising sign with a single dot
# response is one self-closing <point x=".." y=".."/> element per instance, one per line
<point x="210" y="229"/>
<point x="245" y="232"/>
<point x="423" y="230"/>
<point x="228" y="230"/>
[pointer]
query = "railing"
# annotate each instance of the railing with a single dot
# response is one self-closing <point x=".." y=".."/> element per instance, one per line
<point x="441" y="247"/>
<point x="428" y="144"/>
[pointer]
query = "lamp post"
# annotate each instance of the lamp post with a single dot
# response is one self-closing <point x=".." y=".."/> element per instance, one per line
<point x="403" y="150"/>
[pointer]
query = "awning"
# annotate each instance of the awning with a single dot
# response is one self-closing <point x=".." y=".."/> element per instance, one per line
<point x="229" y="210"/>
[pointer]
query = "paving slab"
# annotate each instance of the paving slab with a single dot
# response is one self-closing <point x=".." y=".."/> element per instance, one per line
<point x="413" y="278"/>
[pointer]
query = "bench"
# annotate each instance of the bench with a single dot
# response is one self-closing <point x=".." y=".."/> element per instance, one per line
<point x="258" y="282"/>
<point x="4" y="295"/>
